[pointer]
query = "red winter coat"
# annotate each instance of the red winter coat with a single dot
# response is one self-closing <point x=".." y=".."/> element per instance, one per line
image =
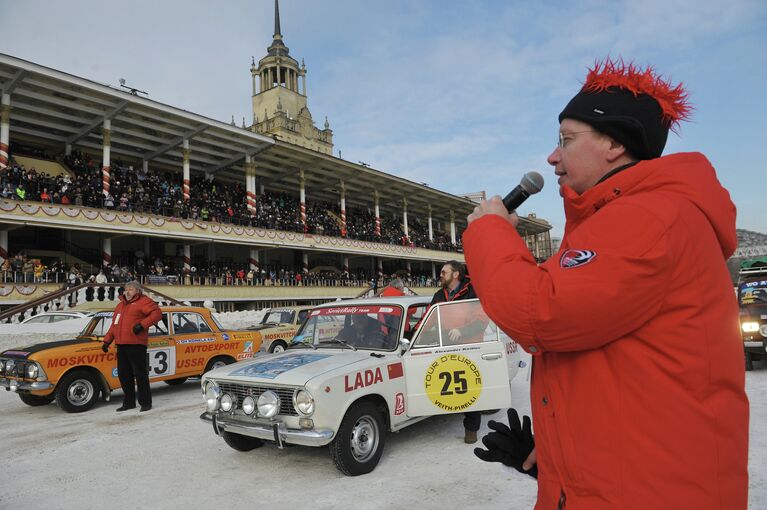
<point x="129" y="313"/>
<point x="638" y="382"/>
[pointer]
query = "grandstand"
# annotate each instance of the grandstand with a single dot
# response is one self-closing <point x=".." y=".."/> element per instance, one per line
<point x="112" y="179"/>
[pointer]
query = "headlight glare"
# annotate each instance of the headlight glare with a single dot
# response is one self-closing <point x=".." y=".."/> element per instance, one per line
<point x="227" y="402"/>
<point x="2" y="366"/>
<point x="248" y="405"/>
<point x="304" y="402"/>
<point x="268" y="404"/>
<point x="750" y="327"/>
<point x="212" y="394"/>
<point x="32" y="371"/>
<point x="9" y="366"/>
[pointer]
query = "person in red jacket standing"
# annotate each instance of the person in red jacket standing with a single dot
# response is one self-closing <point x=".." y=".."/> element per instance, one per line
<point x="637" y="389"/>
<point x="132" y="318"/>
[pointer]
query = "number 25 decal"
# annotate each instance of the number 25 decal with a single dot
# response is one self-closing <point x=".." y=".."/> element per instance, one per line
<point x="461" y="385"/>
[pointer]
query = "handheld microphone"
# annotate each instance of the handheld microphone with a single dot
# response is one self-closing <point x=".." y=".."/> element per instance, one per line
<point x="531" y="183"/>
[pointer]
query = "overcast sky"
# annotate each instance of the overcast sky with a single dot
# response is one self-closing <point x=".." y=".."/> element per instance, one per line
<point x="463" y="95"/>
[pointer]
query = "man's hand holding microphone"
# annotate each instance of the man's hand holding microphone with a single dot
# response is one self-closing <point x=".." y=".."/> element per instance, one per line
<point x="531" y="183"/>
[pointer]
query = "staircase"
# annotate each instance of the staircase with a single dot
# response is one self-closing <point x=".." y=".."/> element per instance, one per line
<point x="103" y="295"/>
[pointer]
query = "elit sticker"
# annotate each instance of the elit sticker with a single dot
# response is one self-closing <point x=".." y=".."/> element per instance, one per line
<point x="453" y="382"/>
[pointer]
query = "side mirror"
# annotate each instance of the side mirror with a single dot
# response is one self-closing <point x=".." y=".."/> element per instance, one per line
<point x="404" y="344"/>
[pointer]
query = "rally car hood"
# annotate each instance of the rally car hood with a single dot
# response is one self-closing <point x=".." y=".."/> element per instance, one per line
<point x="290" y="368"/>
<point x="51" y="348"/>
<point x="261" y="327"/>
<point x="753" y="311"/>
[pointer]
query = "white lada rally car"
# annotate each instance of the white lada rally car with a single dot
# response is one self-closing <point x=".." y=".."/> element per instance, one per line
<point x="357" y="369"/>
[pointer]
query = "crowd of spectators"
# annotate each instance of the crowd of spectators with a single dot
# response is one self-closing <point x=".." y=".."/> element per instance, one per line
<point x="22" y="269"/>
<point x="161" y="193"/>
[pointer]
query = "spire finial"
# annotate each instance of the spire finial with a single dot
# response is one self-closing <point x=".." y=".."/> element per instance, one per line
<point x="277" y="19"/>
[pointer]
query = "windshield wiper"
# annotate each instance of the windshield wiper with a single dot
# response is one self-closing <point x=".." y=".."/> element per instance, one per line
<point x="344" y="343"/>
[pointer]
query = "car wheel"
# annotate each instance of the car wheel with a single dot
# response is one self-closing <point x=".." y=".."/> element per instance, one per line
<point x="278" y="346"/>
<point x="36" y="400"/>
<point x="359" y="443"/>
<point x="218" y="362"/>
<point x="77" y="391"/>
<point x="175" y="382"/>
<point x="242" y="443"/>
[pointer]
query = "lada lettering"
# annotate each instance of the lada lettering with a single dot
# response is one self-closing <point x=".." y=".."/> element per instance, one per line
<point x="211" y="348"/>
<point x="84" y="359"/>
<point x="363" y="379"/>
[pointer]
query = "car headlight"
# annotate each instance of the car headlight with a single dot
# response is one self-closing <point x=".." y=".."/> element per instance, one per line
<point x="268" y="404"/>
<point x="212" y="395"/>
<point x="227" y="402"/>
<point x="750" y="327"/>
<point x="9" y="366"/>
<point x="763" y="330"/>
<point x="248" y="405"/>
<point x="2" y="366"/>
<point x="304" y="402"/>
<point x="32" y="371"/>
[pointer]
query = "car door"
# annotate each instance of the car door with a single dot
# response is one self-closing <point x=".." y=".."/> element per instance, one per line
<point x="161" y="350"/>
<point x="458" y="361"/>
<point x="193" y="341"/>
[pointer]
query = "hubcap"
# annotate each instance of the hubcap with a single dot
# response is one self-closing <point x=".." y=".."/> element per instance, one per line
<point x="218" y="364"/>
<point x="80" y="392"/>
<point x="364" y="441"/>
<point x="278" y="348"/>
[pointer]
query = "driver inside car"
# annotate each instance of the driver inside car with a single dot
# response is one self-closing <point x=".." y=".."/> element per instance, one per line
<point x="363" y="331"/>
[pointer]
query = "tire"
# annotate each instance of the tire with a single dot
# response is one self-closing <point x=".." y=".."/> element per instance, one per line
<point x="77" y="391"/>
<point x="749" y="361"/>
<point x="37" y="400"/>
<point x="175" y="382"/>
<point x="278" y="346"/>
<point x="217" y="362"/>
<point x="360" y="440"/>
<point x="242" y="443"/>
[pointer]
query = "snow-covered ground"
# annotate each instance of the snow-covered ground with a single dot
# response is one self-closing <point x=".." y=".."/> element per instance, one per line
<point x="168" y="458"/>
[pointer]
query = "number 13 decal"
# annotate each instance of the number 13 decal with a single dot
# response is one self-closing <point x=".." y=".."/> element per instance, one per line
<point x="161" y="362"/>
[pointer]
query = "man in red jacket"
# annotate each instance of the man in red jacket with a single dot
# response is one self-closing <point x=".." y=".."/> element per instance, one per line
<point x="637" y="392"/>
<point x="133" y="316"/>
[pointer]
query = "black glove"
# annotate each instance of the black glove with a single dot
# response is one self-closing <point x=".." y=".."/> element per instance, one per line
<point x="138" y="328"/>
<point x="509" y="445"/>
<point x="105" y="347"/>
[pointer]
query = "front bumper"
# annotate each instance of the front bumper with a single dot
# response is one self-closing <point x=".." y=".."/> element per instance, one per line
<point x="277" y="431"/>
<point x="17" y="385"/>
<point x="756" y="347"/>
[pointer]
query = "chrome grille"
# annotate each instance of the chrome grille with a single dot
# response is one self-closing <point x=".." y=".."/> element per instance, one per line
<point x="241" y="391"/>
<point x="19" y="370"/>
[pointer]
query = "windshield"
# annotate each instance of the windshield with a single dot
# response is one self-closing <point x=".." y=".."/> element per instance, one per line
<point x="753" y="292"/>
<point x="278" y="317"/>
<point x="358" y="327"/>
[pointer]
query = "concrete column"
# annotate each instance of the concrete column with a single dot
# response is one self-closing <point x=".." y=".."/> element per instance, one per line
<point x="260" y="189"/>
<point x="379" y="267"/>
<point x="404" y="218"/>
<point x="303" y="79"/>
<point x="345" y="263"/>
<point x="105" y="172"/>
<point x="431" y="230"/>
<point x="408" y="266"/>
<point x="147" y="245"/>
<point x="106" y="252"/>
<point x="187" y="259"/>
<point x="187" y="180"/>
<point x="452" y="227"/>
<point x="302" y="196"/>
<point x="255" y="90"/>
<point x="67" y="149"/>
<point x="253" y="260"/>
<point x="433" y="271"/>
<point x="378" y="216"/>
<point x="278" y="70"/>
<point x="343" y="209"/>
<point x="3" y="246"/>
<point x="5" y="129"/>
<point x="306" y="262"/>
<point x="250" y="183"/>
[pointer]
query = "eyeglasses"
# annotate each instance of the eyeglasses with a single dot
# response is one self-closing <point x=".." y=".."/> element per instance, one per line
<point x="563" y="141"/>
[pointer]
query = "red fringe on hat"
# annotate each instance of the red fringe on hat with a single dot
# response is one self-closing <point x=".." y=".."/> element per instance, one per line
<point x="673" y="100"/>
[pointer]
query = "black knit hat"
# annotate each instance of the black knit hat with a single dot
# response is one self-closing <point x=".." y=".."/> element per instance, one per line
<point x="630" y="105"/>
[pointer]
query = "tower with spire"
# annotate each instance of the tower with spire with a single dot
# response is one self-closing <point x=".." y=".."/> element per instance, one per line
<point x="279" y="97"/>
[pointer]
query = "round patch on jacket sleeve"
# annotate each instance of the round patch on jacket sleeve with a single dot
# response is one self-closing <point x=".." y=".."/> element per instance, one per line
<point x="575" y="258"/>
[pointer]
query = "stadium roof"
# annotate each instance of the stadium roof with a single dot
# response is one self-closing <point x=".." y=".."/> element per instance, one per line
<point x="51" y="108"/>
